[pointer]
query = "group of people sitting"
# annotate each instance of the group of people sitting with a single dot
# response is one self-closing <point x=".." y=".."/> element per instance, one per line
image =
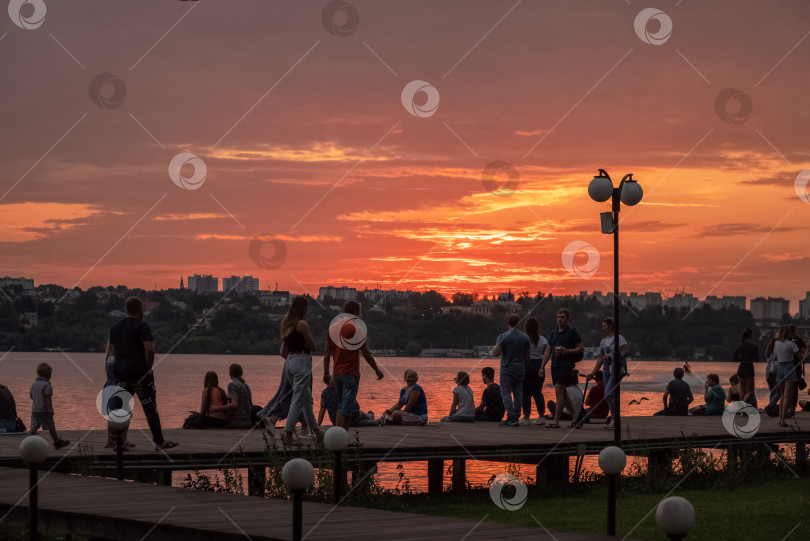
<point x="234" y="408"/>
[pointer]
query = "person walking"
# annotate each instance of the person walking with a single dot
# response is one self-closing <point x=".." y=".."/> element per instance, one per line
<point x="532" y="380"/>
<point x="513" y="346"/>
<point x="295" y="332"/>
<point x="279" y="406"/>
<point x="134" y="350"/>
<point x="347" y="361"/>
<point x="605" y="361"/>
<point x="42" y="405"/>
<point x="565" y="349"/>
<point x="747" y="353"/>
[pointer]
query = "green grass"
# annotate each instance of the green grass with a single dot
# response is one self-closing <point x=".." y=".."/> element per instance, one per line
<point x="766" y="511"/>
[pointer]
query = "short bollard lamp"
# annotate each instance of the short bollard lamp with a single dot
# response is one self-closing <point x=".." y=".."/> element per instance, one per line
<point x="675" y="516"/>
<point x="118" y="423"/>
<point x="298" y="475"/>
<point x="612" y="461"/>
<point x="34" y="451"/>
<point x="336" y="440"/>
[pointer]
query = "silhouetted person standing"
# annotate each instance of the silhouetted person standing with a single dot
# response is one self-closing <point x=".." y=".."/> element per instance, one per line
<point x="513" y="346"/>
<point x="134" y="350"/>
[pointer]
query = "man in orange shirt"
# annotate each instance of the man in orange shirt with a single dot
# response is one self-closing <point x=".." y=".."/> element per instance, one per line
<point x="345" y="341"/>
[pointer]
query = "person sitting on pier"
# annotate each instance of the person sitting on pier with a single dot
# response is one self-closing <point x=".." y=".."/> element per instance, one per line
<point x="598" y="406"/>
<point x="714" y="396"/>
<point x="574" y="395"/>
<point x="462" y="410"/>
<point x="213" y="396"/>
<point x="677" y="397"/>
<point x="8" y="411"/>
<point x="241" y="400"/>
<point x="330" y="404"/>
<point x="734" y="393"/>
<point x="411" y="408"/>
<point x="491" y="406"/>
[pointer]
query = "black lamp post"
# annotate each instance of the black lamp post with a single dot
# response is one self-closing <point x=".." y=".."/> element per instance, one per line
<point x="336" y="439"/>
<point x="298" y="475"/>
<point x="630" y="193"/>
<point x="34" y="451"/>
<point x="612" y="461"/>
<point x="117" y="424"/>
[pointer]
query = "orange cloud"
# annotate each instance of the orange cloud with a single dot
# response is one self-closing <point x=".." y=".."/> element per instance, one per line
<point x="21" y="222"/>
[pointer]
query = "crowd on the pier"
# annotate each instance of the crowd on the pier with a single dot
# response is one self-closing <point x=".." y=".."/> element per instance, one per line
<point x="526" y="357"/>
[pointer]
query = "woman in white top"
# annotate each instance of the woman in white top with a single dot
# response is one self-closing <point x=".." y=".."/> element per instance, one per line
<point x="532" y="380"/>
<point x="463" y="408"/>
<point x="787" y="356"/>
<point x="606" y="350"/>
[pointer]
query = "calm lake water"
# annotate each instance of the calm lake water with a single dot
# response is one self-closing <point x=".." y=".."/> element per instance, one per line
<point x="78" y="378"/>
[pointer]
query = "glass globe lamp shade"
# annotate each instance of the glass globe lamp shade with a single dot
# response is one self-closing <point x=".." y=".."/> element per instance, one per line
<point x="298" y="474"/>
<point x="675" y="516"/>
<point x="600" y="189"/>
<point x="612" y="460"/>
<point x="34" y="450"/>
<point x="336" y="438"/>
<point x="631" y="193"/>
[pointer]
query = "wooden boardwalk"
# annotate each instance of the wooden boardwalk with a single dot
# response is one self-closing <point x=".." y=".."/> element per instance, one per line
<point x="442" y="441"/>
<point x="137" y="511"/>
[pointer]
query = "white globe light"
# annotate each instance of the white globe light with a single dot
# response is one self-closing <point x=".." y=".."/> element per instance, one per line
<point x="675" y="515"/>
<point x="612" y="460"/>
<point x="118" y="420"/>
<point x="34" y="450"/>
<point x="336" y="438"/>
<point x="631" y="193"/>
<point x="600" y="189"/>
<point x="298" y="474"/>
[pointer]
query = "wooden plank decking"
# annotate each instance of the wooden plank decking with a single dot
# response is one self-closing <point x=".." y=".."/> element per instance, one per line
<point x="214" y="448"/>
<point x="136" y="511"/>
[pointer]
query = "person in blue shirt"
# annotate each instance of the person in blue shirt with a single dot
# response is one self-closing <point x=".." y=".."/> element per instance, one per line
<point x="411" y="408"/>
<point x="513" y="346"/>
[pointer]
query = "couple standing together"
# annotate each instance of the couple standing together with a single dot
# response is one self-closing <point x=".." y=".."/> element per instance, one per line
<point x="299" y="343"/>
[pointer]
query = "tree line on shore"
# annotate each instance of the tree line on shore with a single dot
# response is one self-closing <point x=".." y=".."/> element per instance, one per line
<point x="186" y="322"/>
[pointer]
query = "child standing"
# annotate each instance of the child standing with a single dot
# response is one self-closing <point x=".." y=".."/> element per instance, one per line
<point x="42" y="406"/>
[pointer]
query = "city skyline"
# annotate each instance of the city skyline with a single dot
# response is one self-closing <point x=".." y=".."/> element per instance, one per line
<point x="766" y="307"/>
<point x="297" y="149"/>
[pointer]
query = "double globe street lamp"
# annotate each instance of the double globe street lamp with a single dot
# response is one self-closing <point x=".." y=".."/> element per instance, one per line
<point x="630" y="193"/>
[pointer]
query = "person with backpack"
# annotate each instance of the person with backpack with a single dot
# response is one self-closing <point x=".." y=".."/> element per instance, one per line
<point x="607" y="348"/>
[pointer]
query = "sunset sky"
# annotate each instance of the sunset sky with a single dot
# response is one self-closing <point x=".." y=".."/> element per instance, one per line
<point x="311" y="155"/>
